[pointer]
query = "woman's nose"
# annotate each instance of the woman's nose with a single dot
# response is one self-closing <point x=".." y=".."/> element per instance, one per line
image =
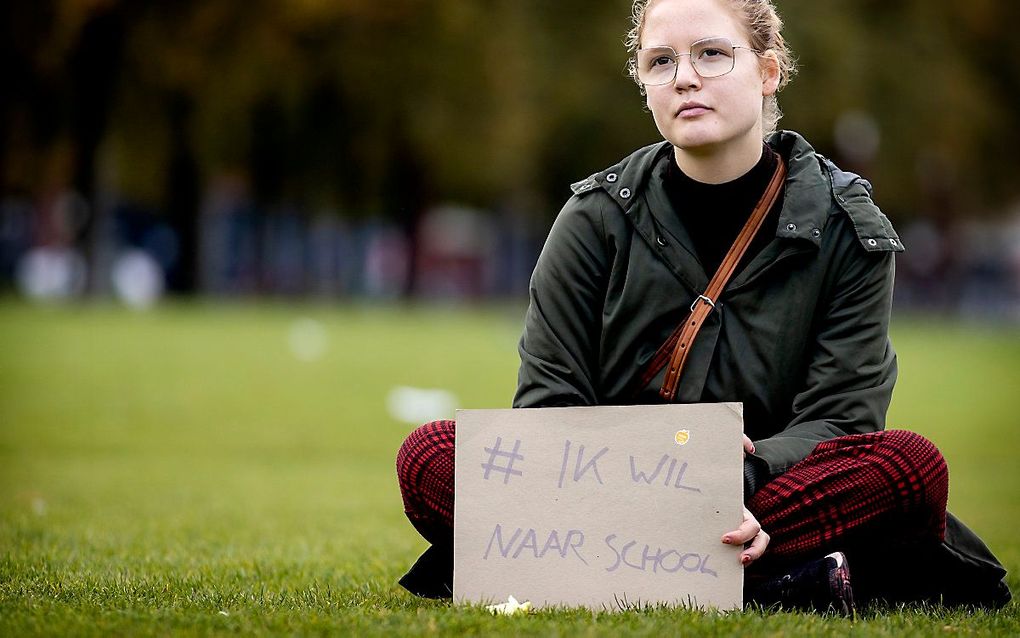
<point x="686" y="76"/>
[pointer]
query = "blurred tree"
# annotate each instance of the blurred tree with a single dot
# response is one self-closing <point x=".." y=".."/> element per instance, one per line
<point x="935" y="77"/>
<point x="370" y="108"/>
<point x="183" y="193"/>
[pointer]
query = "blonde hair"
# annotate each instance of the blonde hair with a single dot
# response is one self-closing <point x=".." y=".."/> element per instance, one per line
<point x="765" y="29"/>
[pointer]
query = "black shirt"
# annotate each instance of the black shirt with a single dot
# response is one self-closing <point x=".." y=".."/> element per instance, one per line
<point x="713" y="214"/>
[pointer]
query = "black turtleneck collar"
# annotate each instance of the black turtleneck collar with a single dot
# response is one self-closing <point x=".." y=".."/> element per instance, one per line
<point x="713" y="214"/>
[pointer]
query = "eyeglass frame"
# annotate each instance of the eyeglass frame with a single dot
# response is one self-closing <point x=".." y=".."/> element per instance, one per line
<point x="689" y="54"/>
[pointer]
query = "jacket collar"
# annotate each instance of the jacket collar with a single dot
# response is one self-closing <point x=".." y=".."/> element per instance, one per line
<point x="631" y="183"/>
<point x="636" y="184"/>
<point x="806" y="184"/>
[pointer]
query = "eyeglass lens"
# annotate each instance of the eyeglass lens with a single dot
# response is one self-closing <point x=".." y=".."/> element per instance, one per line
<point x="711" y="58"/>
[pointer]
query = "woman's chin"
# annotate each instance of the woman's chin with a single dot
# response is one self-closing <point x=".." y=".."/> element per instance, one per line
<point x="696" y="144"/>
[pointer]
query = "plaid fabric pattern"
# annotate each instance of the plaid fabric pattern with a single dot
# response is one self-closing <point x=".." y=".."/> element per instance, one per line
<point x="891" y="484"/>
<point x="425" y="474"/>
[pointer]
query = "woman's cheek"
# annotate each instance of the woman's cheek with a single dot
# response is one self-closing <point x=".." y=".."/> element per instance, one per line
<point x="659" y="107"/>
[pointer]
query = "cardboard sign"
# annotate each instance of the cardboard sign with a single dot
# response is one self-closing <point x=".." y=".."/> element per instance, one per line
<point x="603" y="507"/>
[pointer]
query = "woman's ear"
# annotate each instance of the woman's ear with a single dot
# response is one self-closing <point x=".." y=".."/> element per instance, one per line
<point x="770" y="73"/>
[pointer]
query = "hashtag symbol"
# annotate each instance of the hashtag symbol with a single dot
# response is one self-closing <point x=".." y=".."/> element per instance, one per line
<point x="495" y="453"/>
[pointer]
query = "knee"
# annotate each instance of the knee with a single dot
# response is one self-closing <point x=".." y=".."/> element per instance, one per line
<point x="917" y="463"/>
<point x="428" y="442"/>
<point x="913" y="447"/>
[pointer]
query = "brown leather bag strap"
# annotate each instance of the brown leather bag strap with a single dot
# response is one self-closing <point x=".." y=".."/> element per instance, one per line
<point x="683" y="337"/>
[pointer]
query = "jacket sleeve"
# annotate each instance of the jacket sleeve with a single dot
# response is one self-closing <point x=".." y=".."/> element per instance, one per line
<point x="559" y="348"/>
<point x="851" y="366"/>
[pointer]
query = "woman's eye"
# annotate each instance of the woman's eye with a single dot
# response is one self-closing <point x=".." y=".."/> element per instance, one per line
<point x="711" y="53"/>
<point x="661" y="60"/>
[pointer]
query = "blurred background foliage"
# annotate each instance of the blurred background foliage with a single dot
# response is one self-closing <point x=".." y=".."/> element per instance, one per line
<point x="359" y="110"/>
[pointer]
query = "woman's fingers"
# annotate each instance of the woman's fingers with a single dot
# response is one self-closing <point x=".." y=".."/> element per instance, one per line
<point x="757" y="547"/>
<point x="748" y="445"/>
<point x="749" y="532"/>
<point x="745" y="533"/>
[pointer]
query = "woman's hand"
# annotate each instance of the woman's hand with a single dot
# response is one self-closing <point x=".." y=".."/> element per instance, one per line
<point x="748" y="446"/>
<point x="749" y="531"/>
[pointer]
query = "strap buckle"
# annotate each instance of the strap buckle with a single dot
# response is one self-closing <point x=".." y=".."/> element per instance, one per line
<point x="706" y="299"/>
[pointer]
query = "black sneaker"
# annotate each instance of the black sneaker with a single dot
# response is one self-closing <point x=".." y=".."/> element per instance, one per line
<point x="822" y="585"/>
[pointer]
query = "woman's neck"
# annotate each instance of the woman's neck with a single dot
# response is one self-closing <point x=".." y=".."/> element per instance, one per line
<point x="717" y="166"/>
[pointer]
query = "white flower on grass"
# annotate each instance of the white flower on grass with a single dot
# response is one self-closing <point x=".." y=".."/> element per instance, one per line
<point x="510" y="607"/>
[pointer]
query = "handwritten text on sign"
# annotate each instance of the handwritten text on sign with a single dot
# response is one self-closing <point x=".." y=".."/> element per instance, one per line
<point x="593" y="506"/>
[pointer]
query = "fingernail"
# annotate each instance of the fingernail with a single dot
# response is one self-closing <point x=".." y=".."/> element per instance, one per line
<point x="752" y="449"/>
<point x="745" y="559"/>
<point x="726" y="539"/>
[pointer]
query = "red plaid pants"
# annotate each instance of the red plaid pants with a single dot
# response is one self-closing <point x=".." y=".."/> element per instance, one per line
<point x="890" y="486"/>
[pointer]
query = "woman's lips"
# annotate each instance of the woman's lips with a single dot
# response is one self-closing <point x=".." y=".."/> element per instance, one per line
<point x="692" y="109"/>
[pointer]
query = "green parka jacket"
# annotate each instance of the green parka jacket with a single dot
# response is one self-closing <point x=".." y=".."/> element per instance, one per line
<point x="799" y="335"/>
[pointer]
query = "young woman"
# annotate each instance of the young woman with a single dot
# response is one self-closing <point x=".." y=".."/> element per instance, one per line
<point x="795" y="327"/>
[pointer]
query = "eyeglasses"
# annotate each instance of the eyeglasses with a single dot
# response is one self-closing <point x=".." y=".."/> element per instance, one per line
<point x="710" y="58"/>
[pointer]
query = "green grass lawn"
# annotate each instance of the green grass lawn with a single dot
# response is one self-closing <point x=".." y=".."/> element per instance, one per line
<point x="182" y="471"/>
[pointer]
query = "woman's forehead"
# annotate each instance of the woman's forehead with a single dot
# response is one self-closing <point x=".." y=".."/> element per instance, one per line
<point x="679" y="23"/>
